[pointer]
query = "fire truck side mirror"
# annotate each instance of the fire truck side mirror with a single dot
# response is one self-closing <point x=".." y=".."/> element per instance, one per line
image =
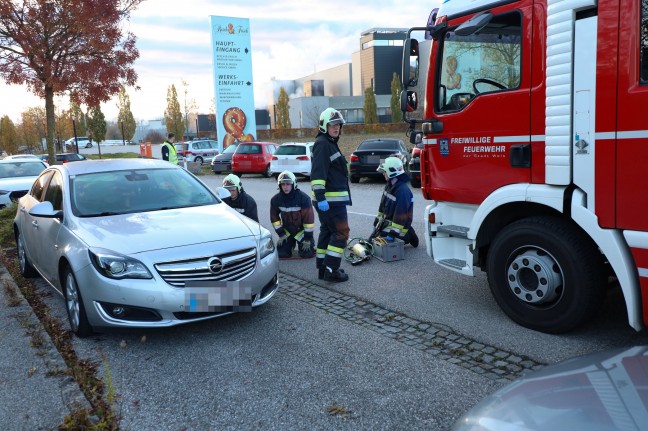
<point x="409" y="101"/>
<point x="410" y="70"/>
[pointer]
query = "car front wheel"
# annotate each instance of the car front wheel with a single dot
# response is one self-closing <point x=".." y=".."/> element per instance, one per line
<point x="199" y="160"/>
<point x="545" y="274"/>
<point x="355" y="179"/>
<point x="89" y="145"/>
<point x="267" y="173"/>
<point x="74" y="306"/>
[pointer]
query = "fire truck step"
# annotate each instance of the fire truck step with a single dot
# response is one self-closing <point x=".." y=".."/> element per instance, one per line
<point x="453" y="263"/>
<point x="452" y="230"/>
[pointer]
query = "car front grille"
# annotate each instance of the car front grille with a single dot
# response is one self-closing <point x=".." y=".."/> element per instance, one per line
<point x="233" y="266"/>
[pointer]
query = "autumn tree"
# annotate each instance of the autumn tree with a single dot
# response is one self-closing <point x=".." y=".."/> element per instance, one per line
<point x="32" y="128"/>
<point x="190" y="108"/>
<point x="370" y="108"/>
<point x="125" y="118"/>
<point x="79" y="119"/>
<point x="8" y="136"/>
<point x="394" y="103"/>
<point x="97" y="124"/>
<point x="58" y="46"/>
<point x="173" y="114"/>
<point x="283" y="110"/>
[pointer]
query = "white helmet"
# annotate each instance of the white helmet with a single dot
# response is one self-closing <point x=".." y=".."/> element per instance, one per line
<point x="287" y="177"/>
<point x="392" y="166"/>
<point x="330" y="116"/>
<point x="232" y="182"/>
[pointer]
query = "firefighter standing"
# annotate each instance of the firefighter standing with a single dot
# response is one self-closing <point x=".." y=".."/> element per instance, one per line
<point x="396" y="209"/>
<point x="239" y="200"/>
<point x="292" y="217"/>
<point x="331" y="195"/>
<point x="169" y="152"/>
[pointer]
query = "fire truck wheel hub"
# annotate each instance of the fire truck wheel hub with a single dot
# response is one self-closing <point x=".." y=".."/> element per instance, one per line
<point x="534" y="277"/>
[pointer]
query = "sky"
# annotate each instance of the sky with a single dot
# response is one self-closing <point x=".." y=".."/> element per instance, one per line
<point x="290" y="39"/>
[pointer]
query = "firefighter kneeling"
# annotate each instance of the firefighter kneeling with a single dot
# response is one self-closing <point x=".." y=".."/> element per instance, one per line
<point x="396" y="209"/>
<point x="292" y="216"/>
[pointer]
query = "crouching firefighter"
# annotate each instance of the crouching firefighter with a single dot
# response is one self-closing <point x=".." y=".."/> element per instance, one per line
<point x="394" y="219"/>
<point x="292" y="216"/>
<point x="239" y="200"/>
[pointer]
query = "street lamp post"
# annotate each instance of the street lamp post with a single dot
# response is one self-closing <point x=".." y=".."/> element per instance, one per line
<point x="76" y="141"/>
<point x="122" y="129"/>
<point x="197" y="133"/>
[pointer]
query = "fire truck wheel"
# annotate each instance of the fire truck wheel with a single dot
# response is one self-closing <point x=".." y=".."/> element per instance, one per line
<point x="546" y="274"/>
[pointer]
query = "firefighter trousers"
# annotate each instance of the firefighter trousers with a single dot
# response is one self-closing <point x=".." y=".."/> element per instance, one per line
<point x="333" y="236"/>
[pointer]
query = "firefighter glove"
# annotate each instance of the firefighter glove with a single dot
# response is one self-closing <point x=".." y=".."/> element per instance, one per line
<point x="306" y="245"/>
<point x="323" y="205"/>
<point x="282" y="239"/>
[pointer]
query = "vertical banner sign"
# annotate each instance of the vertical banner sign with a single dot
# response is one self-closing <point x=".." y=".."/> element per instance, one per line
<point x="233" y="86"/>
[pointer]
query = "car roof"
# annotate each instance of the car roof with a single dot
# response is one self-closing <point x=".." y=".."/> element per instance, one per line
<point x="106" y="165"/>
<point x="22" y="160"/>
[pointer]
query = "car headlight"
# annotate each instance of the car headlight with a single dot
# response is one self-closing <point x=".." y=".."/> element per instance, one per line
<point x="117" y="266"/>
<point x="266" y="245"/>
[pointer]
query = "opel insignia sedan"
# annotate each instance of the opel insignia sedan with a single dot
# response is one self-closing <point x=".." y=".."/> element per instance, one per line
<point x="104" y="234"/>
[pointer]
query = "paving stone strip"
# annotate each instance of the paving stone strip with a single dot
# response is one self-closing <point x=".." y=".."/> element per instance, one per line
<point x="443" y="343"/>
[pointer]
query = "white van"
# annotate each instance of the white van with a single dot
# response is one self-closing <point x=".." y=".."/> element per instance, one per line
<point x="83" y="141"/>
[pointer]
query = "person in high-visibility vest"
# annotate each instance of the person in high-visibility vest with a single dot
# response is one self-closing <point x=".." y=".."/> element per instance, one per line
<point x="169" y="152"/>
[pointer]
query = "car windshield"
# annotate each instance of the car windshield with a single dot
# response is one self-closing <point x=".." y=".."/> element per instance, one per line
<point x="248" y="149"/>
<point x="130" y="191"/>
<point x="378" y="145"/>
<point x="290" y="150"/>
<point x="21" y="169"/>
<point x="230" y="150"/>
<point x="178" y="147"/>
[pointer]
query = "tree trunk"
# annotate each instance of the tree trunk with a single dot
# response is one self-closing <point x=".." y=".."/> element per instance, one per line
<point x="49" y="114"/>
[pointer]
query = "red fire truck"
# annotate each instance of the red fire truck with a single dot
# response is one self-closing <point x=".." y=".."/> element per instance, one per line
<point x="535" y="133"/>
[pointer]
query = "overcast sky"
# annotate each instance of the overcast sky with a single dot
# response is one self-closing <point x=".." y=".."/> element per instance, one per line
<point x="290" y="39"/>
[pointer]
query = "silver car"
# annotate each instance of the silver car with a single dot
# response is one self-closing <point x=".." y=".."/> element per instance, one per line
<point x="105" y="235"/>
<point x="17" y="176"/>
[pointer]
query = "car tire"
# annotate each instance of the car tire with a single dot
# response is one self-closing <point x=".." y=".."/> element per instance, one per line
<point x="267" y="173"/>
<point x="415" y="183"/>
<point x="199" y="160"/>
<point x="355" y="179"/>
<point x="26" y="268"/>
<point x="74" y="305"/>
<point x="238" y="174"/>
<point x="89" y="145"/>
<point x="546" y="274"/>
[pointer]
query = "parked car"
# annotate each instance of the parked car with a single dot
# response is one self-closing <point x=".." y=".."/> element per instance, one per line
<point x="70" y="157"/>
<point x="98" y="243"/>
<point x="83" y="142"/>
<point x="601" y="391"/>
<point x="294" y="157"/>
<point x="21" y="157"/>
<point x="415" y="166"/>
<point x="16" y="178"/>
<point x="253" y="157"/>
<point x="364" y="161"/>
<point x="198" y="151"/>
<point x="223" y="162"/>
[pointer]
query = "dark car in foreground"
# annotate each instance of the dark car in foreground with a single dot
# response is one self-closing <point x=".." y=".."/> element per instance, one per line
<point x="105" y="235"/>
<point x="604" y="391"/>
<point x="223" y="162"/>
<point x="364" y="161"/>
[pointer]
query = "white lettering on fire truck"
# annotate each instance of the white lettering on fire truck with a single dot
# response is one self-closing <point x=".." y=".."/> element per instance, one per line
<point x="485" y="149"/>
<point x="471" y="140"/>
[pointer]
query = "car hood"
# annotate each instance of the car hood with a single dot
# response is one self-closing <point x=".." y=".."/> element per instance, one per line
<point x="21" y="183"/>
<point x="157" y="230"/>
<point x="223" y="157"/>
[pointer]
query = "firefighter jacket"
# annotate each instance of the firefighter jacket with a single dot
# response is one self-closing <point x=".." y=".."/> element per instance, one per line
<point x="396" y="208"/>
<point x="244" y="204"/>
<point x="292" y="214"/>
<point x="329" y="172"/>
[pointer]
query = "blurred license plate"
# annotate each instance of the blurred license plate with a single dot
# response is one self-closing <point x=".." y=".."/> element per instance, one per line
<point x="373" y="159"/>
<point x="217" y="296"/>
<point x="288" y="162"/>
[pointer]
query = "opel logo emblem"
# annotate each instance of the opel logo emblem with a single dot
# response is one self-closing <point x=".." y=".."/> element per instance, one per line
<point x="215" y="265"/>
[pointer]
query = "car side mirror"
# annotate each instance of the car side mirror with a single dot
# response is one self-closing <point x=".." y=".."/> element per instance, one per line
<point x="222" y="193"/>
<point x="46" y="210"/>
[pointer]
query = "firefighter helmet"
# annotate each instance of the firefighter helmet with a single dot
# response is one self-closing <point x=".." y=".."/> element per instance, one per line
<point x="287" y="177"/>
<point x="232" y="182"/>
<point x="392" y="166"/>
<point x="330" y="116"/>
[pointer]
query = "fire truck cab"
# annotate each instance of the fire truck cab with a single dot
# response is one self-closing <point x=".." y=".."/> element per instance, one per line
<point x="535" y="133"/>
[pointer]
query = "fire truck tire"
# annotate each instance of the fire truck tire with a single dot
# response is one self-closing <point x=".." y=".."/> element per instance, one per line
<point x="546" y="274"/>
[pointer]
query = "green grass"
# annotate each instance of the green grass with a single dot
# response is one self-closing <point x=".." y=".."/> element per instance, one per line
<point x="113" y="156"/>
<point x="7" y="215"/>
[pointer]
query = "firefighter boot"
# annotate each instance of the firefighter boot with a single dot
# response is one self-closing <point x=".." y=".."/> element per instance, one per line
<point x="335" y="275"/>
<point x="413" y="239"/>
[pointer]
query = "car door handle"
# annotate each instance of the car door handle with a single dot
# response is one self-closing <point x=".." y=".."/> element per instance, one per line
<point x="35" y="224"/>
